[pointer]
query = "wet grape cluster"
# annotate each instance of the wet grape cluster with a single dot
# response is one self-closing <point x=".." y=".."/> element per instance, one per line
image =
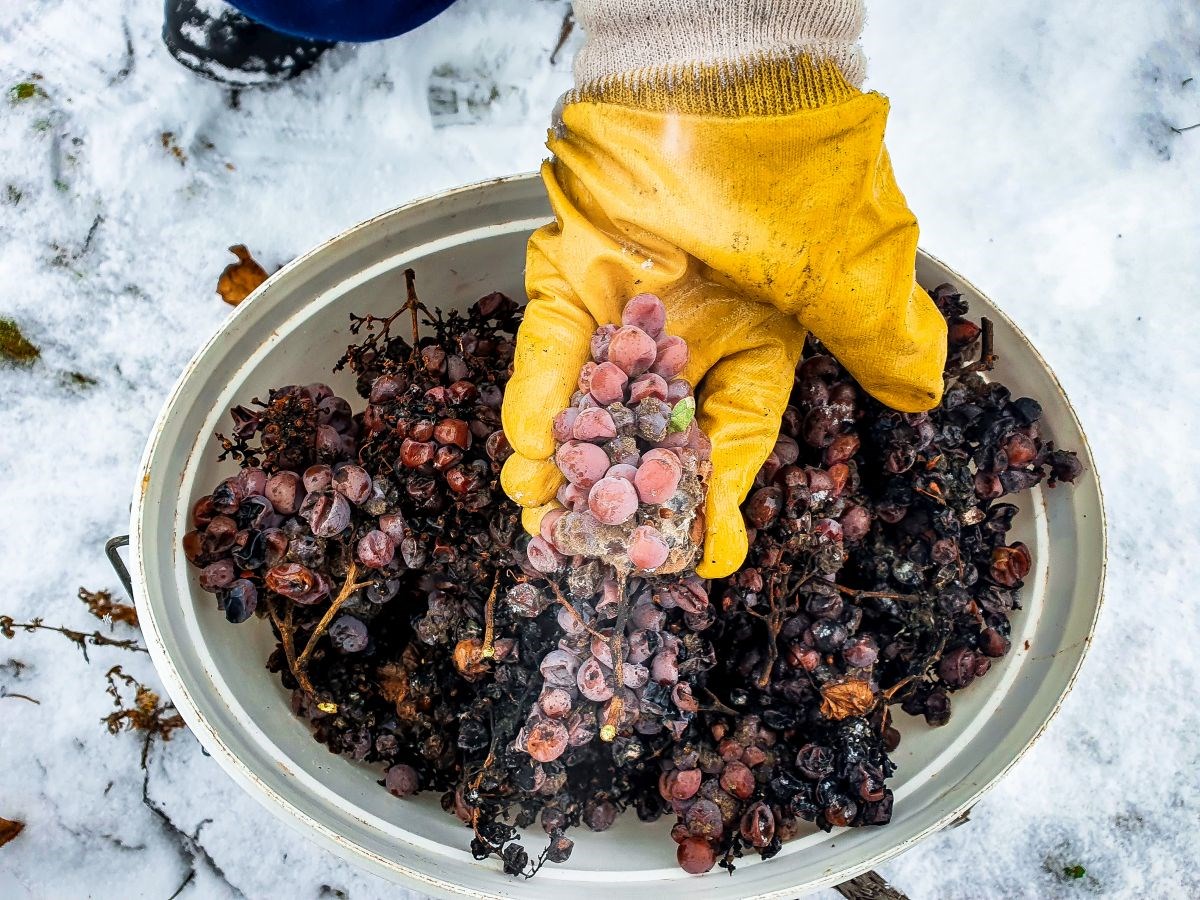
<point x="537" y="687"/>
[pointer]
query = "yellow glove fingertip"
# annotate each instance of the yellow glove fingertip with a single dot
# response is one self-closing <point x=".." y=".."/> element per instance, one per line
<point x="531" y="516"/>
<point x="725" y="542"/>
<point x="530" y="482"/>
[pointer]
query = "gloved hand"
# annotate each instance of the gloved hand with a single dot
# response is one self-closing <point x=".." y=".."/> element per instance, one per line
<point x="719" y="154"/>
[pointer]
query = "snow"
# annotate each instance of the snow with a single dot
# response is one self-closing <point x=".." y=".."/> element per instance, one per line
<point x="1035" y="143"/>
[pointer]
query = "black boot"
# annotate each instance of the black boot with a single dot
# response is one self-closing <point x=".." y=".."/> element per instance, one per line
<point x="218" y="42"/>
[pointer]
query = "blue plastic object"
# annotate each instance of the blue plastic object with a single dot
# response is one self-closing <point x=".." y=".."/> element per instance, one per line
<point x="358" y="21"/>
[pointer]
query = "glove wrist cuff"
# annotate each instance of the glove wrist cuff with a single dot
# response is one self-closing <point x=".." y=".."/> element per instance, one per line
<point x="639" y="40"/>
<point x="759" y="85"/>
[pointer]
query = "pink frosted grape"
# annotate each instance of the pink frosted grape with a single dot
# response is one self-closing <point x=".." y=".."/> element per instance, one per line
<point x="593" y="682"/>
<point x="555" y="702"/>
<point x="600" y="341"/>
<point x="585" y="376"/>
<point x="645" y="311"/>
<point x="632" y="349"/>
<point x="697" y="440"/>
<point x="544" y="557"/>
<point x="594" y="424"/>
<point x="572" y="496"/>
<point x="613" y="501"/>
<point x="285" y="491"/>
<point x="393" y="526"/>
<point x="564" y="422"/>
<point x="672" y="356"/>
<point x="648" y="385"/>
<point x="647" y="549"/>
<point x="546" y="529"/>
<point x="583" y="464"/>
<point x="608" y="383"/>
<point x="375" y="549"/>
<point x="677" y="389"/>
<point x="622" y="471"/>
<point x="658" y="476"/>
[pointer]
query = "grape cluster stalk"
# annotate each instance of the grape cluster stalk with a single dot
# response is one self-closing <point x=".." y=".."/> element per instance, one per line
<point x="553" y="682"/>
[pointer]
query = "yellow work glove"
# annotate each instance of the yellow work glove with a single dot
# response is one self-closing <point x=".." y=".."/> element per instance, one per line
<point x="758" y="203"/>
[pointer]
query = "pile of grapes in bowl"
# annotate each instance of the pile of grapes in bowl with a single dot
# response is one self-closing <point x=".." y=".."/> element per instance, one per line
<point x="544" y="686"/>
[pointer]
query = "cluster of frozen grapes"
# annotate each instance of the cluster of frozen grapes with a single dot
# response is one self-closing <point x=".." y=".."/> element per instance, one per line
<point x="635" y="463"/>
<point x="293" y="532"/>
<point x="632" y="453"/>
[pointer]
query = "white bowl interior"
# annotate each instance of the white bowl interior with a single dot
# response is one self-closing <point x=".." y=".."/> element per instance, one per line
<point x="462" y="246"/>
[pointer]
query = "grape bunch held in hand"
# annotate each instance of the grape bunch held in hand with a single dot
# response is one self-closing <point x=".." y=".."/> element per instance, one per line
<point x="633" y="455"/>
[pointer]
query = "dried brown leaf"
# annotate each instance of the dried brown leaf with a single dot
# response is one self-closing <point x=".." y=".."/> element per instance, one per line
<point x="852" y="697"/>
<point x="240" y="279"/>
<point x="9" y="830"/>
<point x="147" y="713"/>
<point x="14" y="346"/>
<point x="101" y="605"/>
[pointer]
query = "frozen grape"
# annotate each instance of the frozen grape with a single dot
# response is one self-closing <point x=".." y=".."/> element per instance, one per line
<point x="585" y="377"/>
<point x="375" y="549"/>
<point x="546" y="527"/>
<point x="327" y="513"/>
<point x="348" y="634"/>
<point x="285" y="490"/>
<point x="241" y="599"/>
<point x="600" y="340"/>
<point x="695" y="856"/>
<point x="555" y="702"/>
<point x="250" y="482"/>
<point x="622" y="471"/>
<point x="402" y="780"/>
<point x="613" y="501"/>
<point x="647" y="312"/>
<point x="290" y="580"/>
<point x="543" y="556"/>
<point x="353" y="483"/>
<point x="658" y="476"/>
<point x="558" y="668"/>
<point x="583" y="464"/>
<point x="564" y="424"/>
<point x="572" y="496"/>
<point x="218" y="575"/>
<point x="608" y="383"/>
<point x="392" y="524"/>
<point x="594" y="424"/>
<point x="632" y="349"/>
<point x="317" y="478"/>
<point x="677" y="389"/>
<point x="671" y="357"/>
<point x="647" y="549"/>
<point x="593" y="681"/>
<point x="547" y="740"/>
<point x="648" y="385"/>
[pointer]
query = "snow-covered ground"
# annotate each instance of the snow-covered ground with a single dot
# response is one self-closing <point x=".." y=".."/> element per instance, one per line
<point x="1041" y="145"/>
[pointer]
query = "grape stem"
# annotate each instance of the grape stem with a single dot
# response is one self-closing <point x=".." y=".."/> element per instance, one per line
<point x="349" y="586"/>
<point x="575" y="614"/>
<point x="489" y="618"/>
<point x="881" y="595"/>
<point x="287" y="637"/>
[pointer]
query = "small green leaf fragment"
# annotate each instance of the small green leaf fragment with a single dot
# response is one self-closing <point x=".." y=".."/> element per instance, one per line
<point x="682" y="414"/>
<point x="1075" y="871"/>
<point x="14" y="347"/>
<point x="25" y="90"/>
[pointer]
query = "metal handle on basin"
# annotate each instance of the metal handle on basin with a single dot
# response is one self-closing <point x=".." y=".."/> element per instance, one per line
<point x="110" y="550"/>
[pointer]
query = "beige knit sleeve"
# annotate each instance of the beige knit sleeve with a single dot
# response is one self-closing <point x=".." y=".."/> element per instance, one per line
<point x="625" y="37"/>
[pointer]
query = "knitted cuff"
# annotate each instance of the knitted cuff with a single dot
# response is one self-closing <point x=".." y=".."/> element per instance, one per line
<point x="724" y="56"/>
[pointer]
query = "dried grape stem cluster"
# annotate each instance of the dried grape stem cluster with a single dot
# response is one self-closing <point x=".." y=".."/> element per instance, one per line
<point x="879" y="573"/>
